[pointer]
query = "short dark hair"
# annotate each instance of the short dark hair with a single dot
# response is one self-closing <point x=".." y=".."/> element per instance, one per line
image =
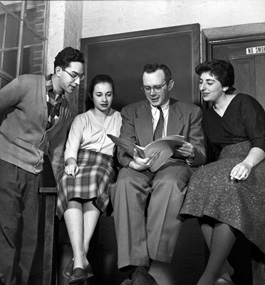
<point x="223" y="71"/>
<point x="66" y="56"/>
<point x="153" y="67"/>
<point x="100" y="78"/>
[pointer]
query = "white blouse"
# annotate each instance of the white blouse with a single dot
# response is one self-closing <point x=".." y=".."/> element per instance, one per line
<point x="88" y="133"/>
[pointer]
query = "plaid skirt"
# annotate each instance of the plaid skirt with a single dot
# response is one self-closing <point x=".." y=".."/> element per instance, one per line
<point x="93" y="181"/>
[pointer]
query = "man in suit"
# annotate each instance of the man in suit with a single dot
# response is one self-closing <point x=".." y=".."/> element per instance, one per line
<point x="146" y="204"/>
<point x="35" y="116"/>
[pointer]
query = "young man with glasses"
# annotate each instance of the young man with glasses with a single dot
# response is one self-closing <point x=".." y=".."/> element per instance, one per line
<point x="146" y="204"/>
<point x="35" y="118"/>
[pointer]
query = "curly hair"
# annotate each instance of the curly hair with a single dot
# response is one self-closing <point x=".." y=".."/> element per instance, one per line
<point x="66" y="56"/>
<point x="222" y="70"/>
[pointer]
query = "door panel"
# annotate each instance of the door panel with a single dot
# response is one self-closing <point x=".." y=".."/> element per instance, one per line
<point x="245" y="75"/>
<point x="250" y="76"/>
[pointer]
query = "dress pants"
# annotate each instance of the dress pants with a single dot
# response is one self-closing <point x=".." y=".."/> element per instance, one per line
<point x="19" y="212"/>
<point x="146" y="207"/>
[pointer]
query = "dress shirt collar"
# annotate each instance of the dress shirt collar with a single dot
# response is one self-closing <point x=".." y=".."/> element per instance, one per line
<point x="50" y="91"/>
<point x="164" y="108"/>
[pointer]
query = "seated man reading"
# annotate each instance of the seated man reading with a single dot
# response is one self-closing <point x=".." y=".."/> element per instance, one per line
<point x="146" y="204"/>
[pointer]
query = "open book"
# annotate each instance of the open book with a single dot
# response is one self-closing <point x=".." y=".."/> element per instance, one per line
<point x="162" y="148"/>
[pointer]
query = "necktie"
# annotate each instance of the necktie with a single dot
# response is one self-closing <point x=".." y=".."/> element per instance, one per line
<point x="160" y="126"/>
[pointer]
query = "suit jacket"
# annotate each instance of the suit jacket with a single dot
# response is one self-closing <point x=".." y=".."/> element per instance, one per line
<point x="23" y="135"/>
<point x="183" y="119"/>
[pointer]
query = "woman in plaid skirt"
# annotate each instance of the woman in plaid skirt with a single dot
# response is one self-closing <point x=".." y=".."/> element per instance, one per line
<point x="83" y="188"/>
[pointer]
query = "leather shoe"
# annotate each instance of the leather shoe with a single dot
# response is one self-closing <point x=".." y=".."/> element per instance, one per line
<point x="80" y="274"/>
<point x="141" y="277"/>
<point x="88" y="271"/>
<point x="67" y="272"/>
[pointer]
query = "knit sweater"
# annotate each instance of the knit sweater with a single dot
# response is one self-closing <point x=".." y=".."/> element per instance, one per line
<point x="23" y="135"/>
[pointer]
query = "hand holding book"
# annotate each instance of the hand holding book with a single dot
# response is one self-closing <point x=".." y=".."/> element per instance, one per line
<point x="159" y="150"/>
<point x="139" y="164"/>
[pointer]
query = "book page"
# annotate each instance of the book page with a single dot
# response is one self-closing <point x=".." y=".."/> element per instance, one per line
<point x="175" y="140"/>
<point x="169" y="142"/>
<point x="162" y="148"/>
<point x="165" y="146"/>
<point x="123" y="143"/>
<point x="162" y="156"/>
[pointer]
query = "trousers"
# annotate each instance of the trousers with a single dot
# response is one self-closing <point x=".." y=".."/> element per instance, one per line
<point x="19" y="213"/>
<point x="146" y="207"/>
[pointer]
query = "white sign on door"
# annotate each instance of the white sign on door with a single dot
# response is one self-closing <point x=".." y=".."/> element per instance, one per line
<point x="254" y="50"/>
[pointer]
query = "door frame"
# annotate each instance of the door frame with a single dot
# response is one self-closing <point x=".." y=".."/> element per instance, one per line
<point x="230" y="34"/>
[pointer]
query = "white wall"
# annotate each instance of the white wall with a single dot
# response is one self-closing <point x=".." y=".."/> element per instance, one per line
<point x="113" y="17"/>
<point x="65" y="26"/>
<point x="55" y="32"/>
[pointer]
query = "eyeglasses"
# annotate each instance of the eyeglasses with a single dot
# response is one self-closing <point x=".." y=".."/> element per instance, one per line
<point x="156" y="88"/>
<point x="75" y="76"/>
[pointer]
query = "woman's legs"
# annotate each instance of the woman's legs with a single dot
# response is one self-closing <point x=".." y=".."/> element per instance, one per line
<point x="207" y="231"/>
<point x="73" y="217"/>
<point x="221" y="242"/>
<point x="81" y="220"/>
<point x="91" y="215"/>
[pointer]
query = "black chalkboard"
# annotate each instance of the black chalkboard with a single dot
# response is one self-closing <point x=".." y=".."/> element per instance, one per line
<point x="123" y="56"/>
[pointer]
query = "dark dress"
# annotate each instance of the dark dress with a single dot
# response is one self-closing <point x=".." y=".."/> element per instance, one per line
<point x="211" y="192"/>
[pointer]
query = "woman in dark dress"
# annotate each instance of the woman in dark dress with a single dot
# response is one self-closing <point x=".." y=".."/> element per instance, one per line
<point x="228" y="195"/>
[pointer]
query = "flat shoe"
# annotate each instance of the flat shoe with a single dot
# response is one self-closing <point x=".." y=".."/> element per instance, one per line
<point x="80" y="274"/>
<point x="223" y="281"/>
<point x="88" y="271"/>
<point x="67" y="272"/>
